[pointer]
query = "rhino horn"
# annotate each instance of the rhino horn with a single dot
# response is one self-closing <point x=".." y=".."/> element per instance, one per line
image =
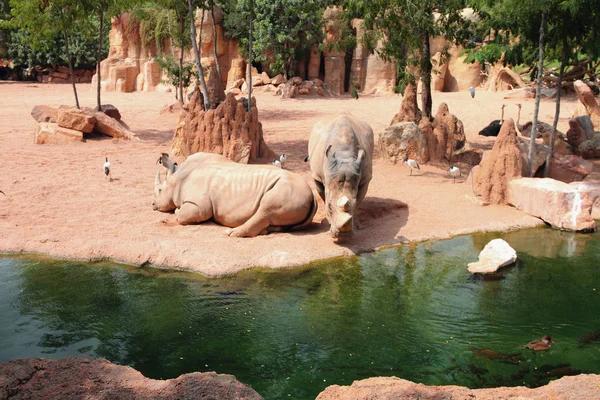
<point x="157" y="181"/>
<point x="359" y="156"/>
<point x="344" y="203"/>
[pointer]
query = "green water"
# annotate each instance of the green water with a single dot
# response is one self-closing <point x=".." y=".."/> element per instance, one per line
<point x="412" y="312"/>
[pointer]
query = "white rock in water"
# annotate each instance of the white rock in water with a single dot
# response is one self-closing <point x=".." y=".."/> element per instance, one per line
<point x="496" y="254"/>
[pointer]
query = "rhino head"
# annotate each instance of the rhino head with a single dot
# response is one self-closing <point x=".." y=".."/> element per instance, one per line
<point x="342" y="181"/>
<point x="163" y="195"/>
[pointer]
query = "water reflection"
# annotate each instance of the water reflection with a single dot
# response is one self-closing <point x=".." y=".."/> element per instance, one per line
<point x="413" y="312"/>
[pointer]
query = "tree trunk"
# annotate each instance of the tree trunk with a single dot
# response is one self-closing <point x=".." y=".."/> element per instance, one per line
<point x="426" y="68"/>
<point x="197" y="57"/>
<point x="181" y="33"/>
<point x="536" y="109"/>
<point x="563" y="65"/>
<point x="98" y="59"/>
<point x="249" y="77"/>
<point x="71" y="68"/>
<point x="214" y="24"/>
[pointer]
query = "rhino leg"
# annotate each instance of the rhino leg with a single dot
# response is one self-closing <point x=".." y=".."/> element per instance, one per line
<point x="190" y="213"/>
<point x="362" y="192"/>
<point x="256" y="225"/>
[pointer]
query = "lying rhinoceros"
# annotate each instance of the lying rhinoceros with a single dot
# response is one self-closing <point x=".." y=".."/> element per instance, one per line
<point x="251" y="199"/>
<point x="340" y="155"/>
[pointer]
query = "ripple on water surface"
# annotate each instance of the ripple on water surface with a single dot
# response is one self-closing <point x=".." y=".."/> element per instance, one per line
<point x="412" y="312"/>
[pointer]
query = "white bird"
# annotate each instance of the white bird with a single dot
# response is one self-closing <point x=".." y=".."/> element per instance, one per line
<point x="277" y="163"/>
<point x="411" y="164"/>
<point x="472" y="91"/>
<point x="282" y="159"/>
<point x="454" y="172"/>
<point x="107" y="168"/>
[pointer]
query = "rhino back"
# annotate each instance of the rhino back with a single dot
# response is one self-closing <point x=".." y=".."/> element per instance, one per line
<point x="235" y="190"/>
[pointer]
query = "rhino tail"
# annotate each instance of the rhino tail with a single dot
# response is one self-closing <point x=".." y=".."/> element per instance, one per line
<point x="308" y="220"/>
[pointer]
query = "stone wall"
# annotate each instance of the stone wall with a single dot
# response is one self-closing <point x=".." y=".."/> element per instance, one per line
<point x="131" y="64"/>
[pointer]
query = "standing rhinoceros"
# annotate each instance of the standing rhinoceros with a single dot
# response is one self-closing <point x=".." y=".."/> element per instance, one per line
<point x="251" y="199"/>
<point x="340" y="155"/>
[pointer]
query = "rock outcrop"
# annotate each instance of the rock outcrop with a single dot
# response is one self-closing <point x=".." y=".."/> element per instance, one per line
<point x="495" y="255"/>
<point x="567" y="388"/>
<point x="409" y="110"/>
<point x="503" y="78"/>
<point x="587" y="103"/>
<point x="229" y="130"/>
<point x="561" y="205"/>
<point x="51" y="133"/>
<point x="499" y="167"/>
<point x="74" y="124"/>
<point x="44" y="113"/>
<point x="88" y="378"/>
<point x="401" y="140"/>
<point x="451" y="129"/>
<point x="569" y="168"/>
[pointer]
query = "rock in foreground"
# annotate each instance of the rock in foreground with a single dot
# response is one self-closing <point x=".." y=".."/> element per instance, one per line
<point x="495" y="255"/>
<point x="87" y="378"/>
<point x="570" y="387"/>
<point x="561" y="205"/>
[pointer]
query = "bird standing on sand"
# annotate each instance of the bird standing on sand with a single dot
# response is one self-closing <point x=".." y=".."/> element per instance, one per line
<point x="107" y="168"/>
<point x="454" y="172"/>
<point x="493" y="129"/>
<point x="539" y="345"/>
<point x="472" y="91"/>
<point x="276" y="163"/>
<point x="411" y="164"/>
<point x="282" y="159"/>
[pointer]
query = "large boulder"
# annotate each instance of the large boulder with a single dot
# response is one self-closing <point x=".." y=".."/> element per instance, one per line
<point x="502" y="165"/>
<point x="580" y="130"/>
<point x="567" y="388"/>
<point x="495" y="255"/>
<point x="409" y="110"/>
<point x="229" y="130"/>
<point x="44" y="113"/>
<point x="111" y="127"/>
<point x="561" y="205"/>
<point x="89" y="378"/>
<point x="111" y="111"/>
<point x="403" y="140"/>
<point x="540" y="153"/>
<point x="51" y="133"/>
<point x="590" y="148"/>
<point x="569" y="168"/>
<point x="76" y="119"/>
<point x="588" y="101"/>
<point x="592" y="189"/>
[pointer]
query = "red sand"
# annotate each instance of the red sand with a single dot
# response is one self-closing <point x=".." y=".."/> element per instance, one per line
<point x="59" y="203"/>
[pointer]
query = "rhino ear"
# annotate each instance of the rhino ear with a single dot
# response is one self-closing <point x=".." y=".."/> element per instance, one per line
<point x="328" y="151"/>
<point x="359" y="156"/>
<point x="157" y="179"/>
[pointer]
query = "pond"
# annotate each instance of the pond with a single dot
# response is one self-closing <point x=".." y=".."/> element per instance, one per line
<point x="412" y="312"/>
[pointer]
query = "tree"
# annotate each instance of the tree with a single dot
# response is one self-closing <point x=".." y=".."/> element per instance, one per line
<point x="284" y="31"/>
<point x="201" y="79"/>
<point x="405" y="29"/>
<point x="43" y="19"/>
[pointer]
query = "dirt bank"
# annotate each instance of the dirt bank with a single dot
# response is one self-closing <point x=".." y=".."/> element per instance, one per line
<point x="59" y="203"/>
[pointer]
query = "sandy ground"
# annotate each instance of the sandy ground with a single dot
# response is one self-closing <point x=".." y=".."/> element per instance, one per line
<point x="59" y="203"/>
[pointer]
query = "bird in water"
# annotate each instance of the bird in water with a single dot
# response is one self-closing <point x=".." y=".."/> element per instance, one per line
<point x="411" y="164"/>
<point x="493" y="129"/>
<point x="454" y="172"/>
<point x="107" y="168"/>
<point x="472" y="91"/>
<point x="540" y="345"/>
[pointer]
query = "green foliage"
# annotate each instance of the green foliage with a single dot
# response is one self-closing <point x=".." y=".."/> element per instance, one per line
<point x="169" y="64"/>
<point x="27" y="50"/>
<point x="284" y="31"/>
